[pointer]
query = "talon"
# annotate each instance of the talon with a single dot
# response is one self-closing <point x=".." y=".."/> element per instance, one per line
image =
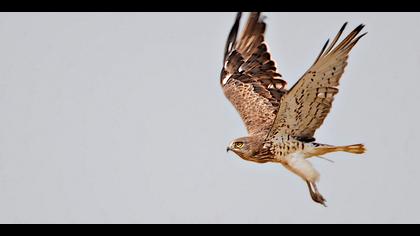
<point x="315" y="195"/>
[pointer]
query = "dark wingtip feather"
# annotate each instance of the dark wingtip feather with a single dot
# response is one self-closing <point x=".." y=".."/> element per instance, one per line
<point x="337" y="37"/>
<point x="340" y="32"/>
<point x="238" y="16"/>
<point x="356" y="32"/>
<point x="363" y="35"/>
<point x="359" y="28"/>
<point x="359" y="37"/>
<point x="344" y="26"/>
<point x="232" y="35"/>
<point x="347" y="43"/>
<point x="322" y="50"/>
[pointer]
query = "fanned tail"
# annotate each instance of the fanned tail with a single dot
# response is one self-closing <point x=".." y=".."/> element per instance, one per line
<point x="355" y="148"/>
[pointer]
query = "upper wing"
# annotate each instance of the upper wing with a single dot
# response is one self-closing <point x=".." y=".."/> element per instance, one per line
<point x="305" y="106"/>
<point x="249" y="78"/>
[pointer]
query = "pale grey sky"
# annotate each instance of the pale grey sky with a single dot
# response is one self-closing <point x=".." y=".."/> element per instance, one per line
<point x="119" y="118"/>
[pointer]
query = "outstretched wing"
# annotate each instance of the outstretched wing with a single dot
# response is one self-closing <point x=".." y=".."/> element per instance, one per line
<point x="249" y="78"/>
<point x="304" y="107"/>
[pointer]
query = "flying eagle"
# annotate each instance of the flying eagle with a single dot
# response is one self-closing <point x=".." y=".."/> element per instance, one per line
<point x="281" y="122"/>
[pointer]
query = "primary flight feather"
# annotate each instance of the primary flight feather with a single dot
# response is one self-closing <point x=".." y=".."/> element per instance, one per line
<point x="281" y="123"/>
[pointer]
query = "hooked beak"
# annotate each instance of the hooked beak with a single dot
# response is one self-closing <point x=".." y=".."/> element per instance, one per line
<point x="227" y="149"/>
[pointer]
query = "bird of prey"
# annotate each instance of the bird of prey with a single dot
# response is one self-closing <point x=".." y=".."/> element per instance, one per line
<point x="281" y="122"/>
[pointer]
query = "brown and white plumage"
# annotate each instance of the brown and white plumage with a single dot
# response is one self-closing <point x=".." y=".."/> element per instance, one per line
<point x="281" y="123"/>
<point x="249" y="78"/>
<point x="306" y="105"/>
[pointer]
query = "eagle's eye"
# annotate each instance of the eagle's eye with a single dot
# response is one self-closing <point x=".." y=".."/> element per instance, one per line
<point x="239" y="145"/>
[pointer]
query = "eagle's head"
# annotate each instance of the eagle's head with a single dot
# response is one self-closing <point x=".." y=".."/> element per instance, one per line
<point x="245" y="147"/>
